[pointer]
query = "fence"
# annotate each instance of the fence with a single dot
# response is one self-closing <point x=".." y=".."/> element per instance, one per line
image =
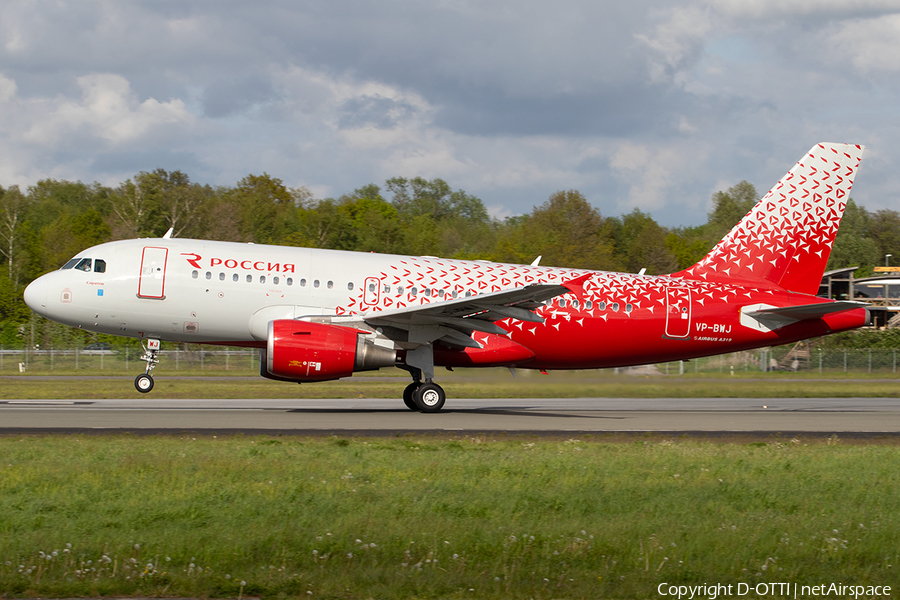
<point x="816" y="360"/>
<point x="245" y="361"/>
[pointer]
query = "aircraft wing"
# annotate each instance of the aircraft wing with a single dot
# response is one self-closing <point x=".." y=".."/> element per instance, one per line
<point x="454" y="321"/>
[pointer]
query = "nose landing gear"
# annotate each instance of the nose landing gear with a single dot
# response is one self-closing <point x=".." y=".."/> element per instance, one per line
<point x="144" y="382"/>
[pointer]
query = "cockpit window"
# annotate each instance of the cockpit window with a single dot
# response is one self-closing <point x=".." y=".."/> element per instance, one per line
<point x="99" y="266"/>
<point x="71" y="263"/>
<point x="84" y="265"/>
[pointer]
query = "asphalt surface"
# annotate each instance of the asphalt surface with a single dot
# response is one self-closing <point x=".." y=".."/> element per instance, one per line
<point x="820" y="416"/>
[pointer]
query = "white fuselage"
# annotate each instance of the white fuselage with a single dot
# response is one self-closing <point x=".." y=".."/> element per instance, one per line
<point x="224" y="292"/>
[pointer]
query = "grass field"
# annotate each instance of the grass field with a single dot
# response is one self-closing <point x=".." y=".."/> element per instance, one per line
<point x="464" y="383"/>
<point x="424" y="517"/>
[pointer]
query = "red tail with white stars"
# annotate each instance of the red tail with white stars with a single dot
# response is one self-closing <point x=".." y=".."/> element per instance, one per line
<point x="785" y="240"/>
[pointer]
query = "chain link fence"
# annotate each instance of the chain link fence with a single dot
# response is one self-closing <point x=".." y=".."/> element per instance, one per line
<point x="241" y="361"/>
<point x="245" y="361"/>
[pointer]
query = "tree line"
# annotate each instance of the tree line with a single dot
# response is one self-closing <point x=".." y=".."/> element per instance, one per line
<point x="51" y="221"/>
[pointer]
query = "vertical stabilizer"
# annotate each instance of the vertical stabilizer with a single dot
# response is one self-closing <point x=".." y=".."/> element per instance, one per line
<point x="786" y="238"/>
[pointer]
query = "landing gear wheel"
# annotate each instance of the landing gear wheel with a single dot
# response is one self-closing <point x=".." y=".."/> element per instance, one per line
<point x="409" y="395"/>
<point x="430" y="397"/>
<point x="143" y="383"/>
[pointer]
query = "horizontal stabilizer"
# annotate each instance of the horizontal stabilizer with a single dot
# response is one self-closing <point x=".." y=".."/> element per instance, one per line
<point x="810" y="311"/>
<point x="764" y="317"/>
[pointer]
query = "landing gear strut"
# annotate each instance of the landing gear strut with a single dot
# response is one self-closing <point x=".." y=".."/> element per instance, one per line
<point x="144" y="382"/>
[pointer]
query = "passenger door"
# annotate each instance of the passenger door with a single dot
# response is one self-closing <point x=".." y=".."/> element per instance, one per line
<point x="152" y="283"/>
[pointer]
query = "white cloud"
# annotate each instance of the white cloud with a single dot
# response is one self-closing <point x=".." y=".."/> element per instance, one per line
<point x="871" y="44"/>
<point x="109" y="109"/>
<point x="650" y="173"/>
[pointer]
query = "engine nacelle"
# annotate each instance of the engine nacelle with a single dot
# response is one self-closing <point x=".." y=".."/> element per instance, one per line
<point x="304" y="351"/>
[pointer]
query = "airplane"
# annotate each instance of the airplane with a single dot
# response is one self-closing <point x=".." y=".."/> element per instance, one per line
<point x="318" y="315"/>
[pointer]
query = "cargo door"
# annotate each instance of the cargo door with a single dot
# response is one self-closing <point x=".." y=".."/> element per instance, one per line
<point x="678" y="312"/>
<point x="152" y="283"/>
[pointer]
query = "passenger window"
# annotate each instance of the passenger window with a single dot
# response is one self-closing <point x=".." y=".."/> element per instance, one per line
<point x="70" y="264"/>
<point x="387" y="289"/>
<point x="330" y="284"/>
<point x="221" y="276"/>
<point x="234" y="277"/>
<point x="100" y="266"/>
<point x="615" y="307"/>
<point x="290" y="281"/>
<point x="372" y="287"/>
<point x="414" y="291"/>
<point x="262" y="278"/>
<point x="350" y="286"/>
<point x="562" y="302"/>
<point x="275" y="280"/>
<point x="601" y="306"/>
<point x="249" y="278"/>
<point x="588" y="304"/>
<point x="195" y="274"/>
<point x="302" y="282"/>
<point x="574" y="303"/>
<point x="208" y="275"/>
<point x="316" y="283"/>
<point x="628" y="308"/>
<point x="400" y="290"/>
<point x="84" y="265"/>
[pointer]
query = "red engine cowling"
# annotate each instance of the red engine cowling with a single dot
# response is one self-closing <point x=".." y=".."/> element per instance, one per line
<point x="304" y="351"/>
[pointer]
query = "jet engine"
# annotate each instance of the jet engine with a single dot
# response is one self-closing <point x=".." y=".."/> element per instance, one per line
<point x="304" y="351"/>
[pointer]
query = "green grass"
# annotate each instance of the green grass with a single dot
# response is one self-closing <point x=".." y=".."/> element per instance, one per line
<point x="417" y="517"/>
<point x="461" y="384"/>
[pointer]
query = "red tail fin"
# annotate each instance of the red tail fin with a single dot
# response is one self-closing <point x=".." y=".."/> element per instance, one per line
<point x="786" y="238"/>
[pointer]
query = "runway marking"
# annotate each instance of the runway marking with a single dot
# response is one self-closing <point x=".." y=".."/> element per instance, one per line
<point x="44" y="402"/>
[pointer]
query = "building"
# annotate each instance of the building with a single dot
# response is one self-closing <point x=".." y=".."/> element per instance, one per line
<point x="881" y="292"/>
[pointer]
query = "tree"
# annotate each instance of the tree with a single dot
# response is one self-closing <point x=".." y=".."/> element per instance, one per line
<point x="566" y="230"/>
<point x="267" y="208"/>
<point x="181" y="202"/>
<point x="12" y="207"/>
<point x="134" y="203"/>
<point x="439" y="220"/>
<point x="641" y="244"/>
<point x="729" y="207"/>
<point x="688" y="245"/>
<point x="852" y="246"/>
<point x="884" y="229"/>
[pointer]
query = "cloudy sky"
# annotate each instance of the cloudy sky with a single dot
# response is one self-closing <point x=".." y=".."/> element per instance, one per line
<point x="638" y="104"/>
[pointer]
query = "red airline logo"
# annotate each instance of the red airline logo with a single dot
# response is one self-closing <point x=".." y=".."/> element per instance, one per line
<point x="195" y="259"/>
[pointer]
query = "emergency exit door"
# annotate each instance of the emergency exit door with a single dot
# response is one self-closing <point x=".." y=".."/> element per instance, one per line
<point x="152" y="283"/>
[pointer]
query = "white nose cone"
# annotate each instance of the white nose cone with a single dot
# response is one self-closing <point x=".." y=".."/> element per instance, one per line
<point x="36" y="296"/>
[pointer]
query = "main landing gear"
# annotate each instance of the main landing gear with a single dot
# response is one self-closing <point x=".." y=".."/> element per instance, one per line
<point x="427" y="396"/>
<point x="144" y="382"/>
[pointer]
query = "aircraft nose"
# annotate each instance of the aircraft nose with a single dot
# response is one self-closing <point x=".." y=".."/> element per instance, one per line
<point x="35" y="295"/>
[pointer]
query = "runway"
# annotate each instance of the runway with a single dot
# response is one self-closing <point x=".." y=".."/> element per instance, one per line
<point x="818" y="416"/>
